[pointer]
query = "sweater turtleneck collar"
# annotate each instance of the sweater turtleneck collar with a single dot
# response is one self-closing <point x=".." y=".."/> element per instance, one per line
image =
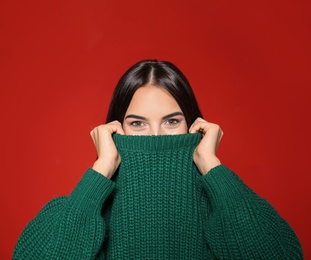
<point x="156" y="142"/>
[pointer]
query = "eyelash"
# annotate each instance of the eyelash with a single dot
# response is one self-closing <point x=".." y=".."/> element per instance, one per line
<point x="136" y="123"/>
<point x="171" y="122"/>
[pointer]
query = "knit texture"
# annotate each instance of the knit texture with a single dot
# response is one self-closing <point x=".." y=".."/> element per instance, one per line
<point x="156" y="200"/>
<point x="158" y="206"/>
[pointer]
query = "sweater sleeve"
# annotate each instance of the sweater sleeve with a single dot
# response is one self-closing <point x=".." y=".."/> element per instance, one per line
<point x="241" y="225"/>
<point x="68" y="227"/>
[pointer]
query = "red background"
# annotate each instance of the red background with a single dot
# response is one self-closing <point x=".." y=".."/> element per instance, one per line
<point x="249" y="63"/>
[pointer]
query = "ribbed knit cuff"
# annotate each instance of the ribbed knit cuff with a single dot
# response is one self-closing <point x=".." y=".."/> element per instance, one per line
<point x="91" y="192"/>
<point x="224" y="186"/>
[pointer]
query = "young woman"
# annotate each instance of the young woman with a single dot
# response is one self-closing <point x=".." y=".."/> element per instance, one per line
<point x="157" y="189"/>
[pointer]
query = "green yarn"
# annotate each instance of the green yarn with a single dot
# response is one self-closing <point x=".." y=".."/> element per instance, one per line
<point x="158" y="206"/>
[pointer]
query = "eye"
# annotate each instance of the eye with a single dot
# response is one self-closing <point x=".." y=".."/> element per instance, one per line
<point x="172" y="122"/>
<point x="137" y="124"/>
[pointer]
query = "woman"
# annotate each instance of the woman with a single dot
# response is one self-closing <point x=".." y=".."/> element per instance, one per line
<point x="144" y="198"/>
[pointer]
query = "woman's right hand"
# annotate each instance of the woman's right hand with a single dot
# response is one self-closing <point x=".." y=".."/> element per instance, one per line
<point x="108" y="157"/>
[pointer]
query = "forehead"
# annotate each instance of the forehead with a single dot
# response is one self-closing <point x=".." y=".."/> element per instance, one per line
<point x="151" y="99"/>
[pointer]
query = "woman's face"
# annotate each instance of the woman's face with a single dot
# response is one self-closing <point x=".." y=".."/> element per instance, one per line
<point x="153" y="111"/>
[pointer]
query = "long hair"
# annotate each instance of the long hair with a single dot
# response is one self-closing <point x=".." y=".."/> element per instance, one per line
<point x="158" y="73"/>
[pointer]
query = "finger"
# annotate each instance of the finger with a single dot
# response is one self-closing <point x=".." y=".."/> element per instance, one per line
<point x="92" y="135"/>
<point x="115" y="127"/>
<point x="119" y="129"/>
<point x="200" y="126"/>
<point x="220" y="135"/>
<point x="194" y="127"/>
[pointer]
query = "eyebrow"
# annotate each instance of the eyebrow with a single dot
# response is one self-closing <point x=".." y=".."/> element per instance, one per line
<point x="144" y="118"/>
<point x="173" y="114"/>
<point x="136" y="117"/>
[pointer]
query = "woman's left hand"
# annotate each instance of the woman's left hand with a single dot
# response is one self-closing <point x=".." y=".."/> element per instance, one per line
<point x="204" y="155"/>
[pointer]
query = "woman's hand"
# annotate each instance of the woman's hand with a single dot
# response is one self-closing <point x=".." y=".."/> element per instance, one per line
<point x="108" y="157"/>
<point x="204" y="155"/>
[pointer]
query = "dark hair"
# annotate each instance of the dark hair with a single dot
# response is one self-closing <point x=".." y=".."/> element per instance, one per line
<point x="158" y="73"/>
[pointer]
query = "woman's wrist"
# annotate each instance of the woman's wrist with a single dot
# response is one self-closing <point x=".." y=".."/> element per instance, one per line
<point x="101" y="167"/>
<point x="207" y="163"/>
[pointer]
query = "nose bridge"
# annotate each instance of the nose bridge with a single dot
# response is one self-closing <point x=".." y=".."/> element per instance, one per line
<point x="155" y="129"/>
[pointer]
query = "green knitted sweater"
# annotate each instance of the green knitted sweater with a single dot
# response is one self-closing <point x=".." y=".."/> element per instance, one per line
<point x="158" y="206"/>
